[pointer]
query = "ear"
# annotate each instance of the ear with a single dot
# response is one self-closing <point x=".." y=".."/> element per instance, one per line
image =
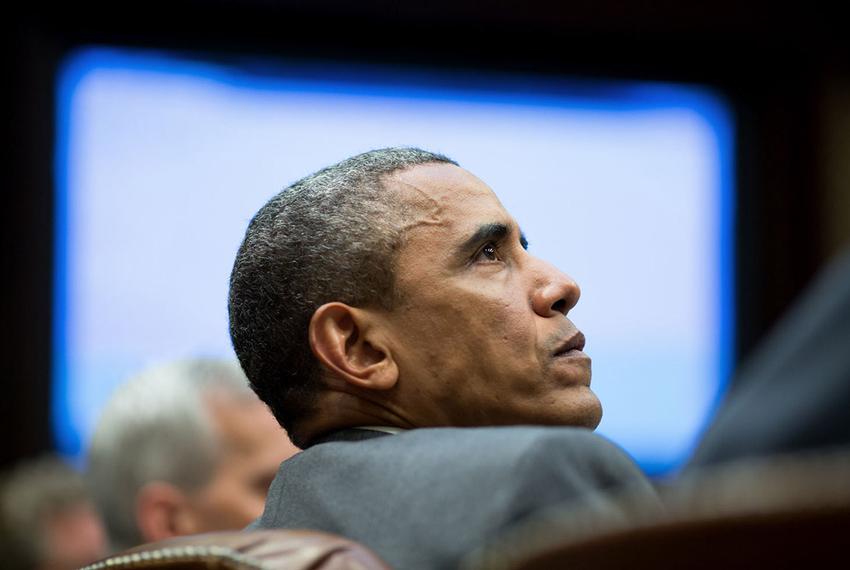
<point x="348" y="342"/>
<point x="163" y="511"/>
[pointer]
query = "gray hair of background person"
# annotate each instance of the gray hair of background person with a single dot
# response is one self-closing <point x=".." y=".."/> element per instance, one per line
<point x="157" y="427"/>
<point x="331" y="236"/>
<point x="30" y="494"/>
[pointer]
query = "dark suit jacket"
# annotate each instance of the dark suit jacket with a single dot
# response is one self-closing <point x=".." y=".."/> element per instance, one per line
<point x="794" y="394"/>
<point x="424" y="498"/>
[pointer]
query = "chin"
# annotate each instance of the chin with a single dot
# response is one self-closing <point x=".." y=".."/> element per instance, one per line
<point x="582" y="410"/>
<point x="594" y="416"/>
<point x="594" y="411"/>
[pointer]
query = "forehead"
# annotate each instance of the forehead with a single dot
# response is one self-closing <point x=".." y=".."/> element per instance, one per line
<point x="447" y="199"/>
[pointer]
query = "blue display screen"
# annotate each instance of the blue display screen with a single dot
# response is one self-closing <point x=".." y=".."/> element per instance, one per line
<point x="162" y="159"/>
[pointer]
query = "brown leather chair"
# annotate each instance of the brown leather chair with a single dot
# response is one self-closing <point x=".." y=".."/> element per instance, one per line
<point x="248" y="550"/>
<point x="786" y="513"/>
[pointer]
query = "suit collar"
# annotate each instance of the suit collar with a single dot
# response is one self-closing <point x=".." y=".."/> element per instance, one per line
<point x="351" y="434"/>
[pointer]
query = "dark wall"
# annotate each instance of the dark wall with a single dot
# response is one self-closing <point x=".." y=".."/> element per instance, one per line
<point x="776" y="65"/>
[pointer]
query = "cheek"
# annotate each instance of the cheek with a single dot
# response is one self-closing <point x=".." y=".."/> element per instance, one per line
<point x="244" y="499"/>
<point x="232" y="502"/>
<point x="505" y="325"/>
<point x="472" y="331"/>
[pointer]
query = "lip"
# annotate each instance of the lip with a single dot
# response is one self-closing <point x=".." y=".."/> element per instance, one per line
<point x="572" y="346"/>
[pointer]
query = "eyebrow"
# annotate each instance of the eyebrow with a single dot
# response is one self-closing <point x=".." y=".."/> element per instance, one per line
<point x="490" y="232"/>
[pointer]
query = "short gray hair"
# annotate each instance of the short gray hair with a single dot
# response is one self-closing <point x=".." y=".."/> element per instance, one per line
<point x="157" y="427"/>
<point x="332" y="236"/>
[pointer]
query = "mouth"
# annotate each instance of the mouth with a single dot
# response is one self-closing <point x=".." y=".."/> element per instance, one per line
<point x="570" y="346"/>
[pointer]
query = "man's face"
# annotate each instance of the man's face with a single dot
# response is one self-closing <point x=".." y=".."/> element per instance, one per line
<point x="252" y="447"/>
<point x="74" y="537"/>
<point x="480" y="332"/>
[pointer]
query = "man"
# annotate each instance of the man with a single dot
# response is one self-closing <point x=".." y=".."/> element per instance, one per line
<point x="183" y="448"/>
<point x="47" y="519"/>
<point x="393" y="294"/>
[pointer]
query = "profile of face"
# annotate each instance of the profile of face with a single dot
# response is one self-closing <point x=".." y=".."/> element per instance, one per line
<point x="252" y="447"/>
<point x="480" y="333"/>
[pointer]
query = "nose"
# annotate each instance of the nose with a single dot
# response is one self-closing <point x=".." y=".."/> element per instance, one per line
<point x="555" y="293"/>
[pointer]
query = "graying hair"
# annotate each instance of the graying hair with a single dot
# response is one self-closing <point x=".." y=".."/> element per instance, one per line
<point x="157" y="427"/>
<point x="332" y="236"/>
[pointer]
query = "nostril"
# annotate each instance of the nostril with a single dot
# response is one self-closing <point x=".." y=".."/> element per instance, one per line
<point x="560" y="306"/>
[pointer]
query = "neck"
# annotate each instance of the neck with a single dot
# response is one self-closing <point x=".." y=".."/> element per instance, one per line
<point x="337" y="411"/>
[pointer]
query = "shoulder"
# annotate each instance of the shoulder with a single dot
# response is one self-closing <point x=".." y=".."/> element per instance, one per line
<point x="527" y="467"/>
<point x="514" y="451"/>
<point x="512" y="439"/>
<point x="488" y="441"/>
<point x="555" y="449"/>
<point x="501" y="471"/>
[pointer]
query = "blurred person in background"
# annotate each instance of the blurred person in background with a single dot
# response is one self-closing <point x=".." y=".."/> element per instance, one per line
<point x="183" y="448"/>
<point x="792" y="396"/>
<point x="47" y="519"/>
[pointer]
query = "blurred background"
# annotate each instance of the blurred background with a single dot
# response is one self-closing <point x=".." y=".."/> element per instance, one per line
<point x="686" y="164"/>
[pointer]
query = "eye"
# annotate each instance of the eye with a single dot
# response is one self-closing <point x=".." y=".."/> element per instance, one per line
<point x="490" y="252"/>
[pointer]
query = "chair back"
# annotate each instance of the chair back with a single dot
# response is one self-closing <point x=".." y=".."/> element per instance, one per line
<point x="275" y="549"/>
